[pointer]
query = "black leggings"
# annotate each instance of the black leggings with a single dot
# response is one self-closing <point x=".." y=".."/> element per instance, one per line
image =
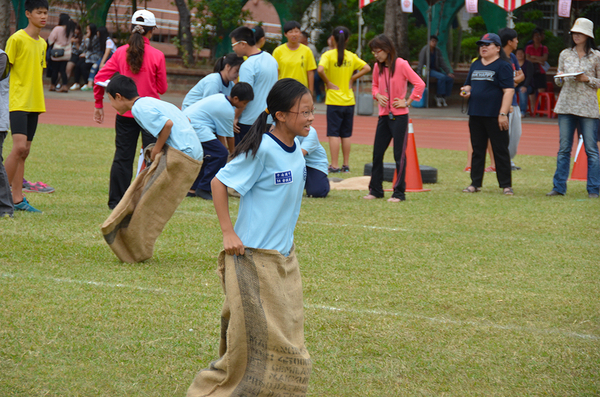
<point x="483" y="129"/>
<point x="82" y="69"/>
<point x="59" y="66"/>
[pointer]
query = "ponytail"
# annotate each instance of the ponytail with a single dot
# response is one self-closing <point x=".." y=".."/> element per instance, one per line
<point x="341" y="34"/>
<point x="282" y="97"/>
<point x="135" y="52"/>
<point x="230" y="59"/>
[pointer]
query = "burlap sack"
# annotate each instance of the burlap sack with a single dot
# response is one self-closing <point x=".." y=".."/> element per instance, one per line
<point x="136" y="222"/>
<point x="262" y="329"/>
<point x="356" y="183"/>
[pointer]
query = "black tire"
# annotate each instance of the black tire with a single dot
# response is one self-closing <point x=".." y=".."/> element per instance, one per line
<point x="428" y="174"/>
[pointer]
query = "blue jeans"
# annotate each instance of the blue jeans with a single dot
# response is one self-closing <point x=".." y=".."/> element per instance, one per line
<point x="524" y="98"/>
<point x="588" y="127"/>
<point x="444" y="83"/>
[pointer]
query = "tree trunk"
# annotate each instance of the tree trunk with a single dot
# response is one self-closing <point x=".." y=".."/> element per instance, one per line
<point x="4" y="22"/>
<point x="396" y="27"/>
<point x="185" y="33"/>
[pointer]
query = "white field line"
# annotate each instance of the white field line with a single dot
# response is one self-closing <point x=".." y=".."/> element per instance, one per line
<point x="337" y="309"/>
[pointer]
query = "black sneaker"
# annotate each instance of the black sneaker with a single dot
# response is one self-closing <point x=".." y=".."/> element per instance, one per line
<point x="204" y="194"/>
<point x="345" y="168"/>
<point x="333" y="170"/>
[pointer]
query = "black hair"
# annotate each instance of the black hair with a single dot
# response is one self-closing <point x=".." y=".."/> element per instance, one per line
<point x="135" y="52"/>
<point x="382" y="42"/>
<point x="506" y="35"/>
<point x="341" y="34"/>
<point x="93" y="31"/>
<point x="289" y="25"/>
<point x="433" y="37"/>
<point x="590" y="44"/>
<point x="305" y="34"/>
<point x="123" y="85"/>
<point x="230" y="59"/>
<point x="243" y="33"/>
<point x="520" y="49"/>
<point x="259" y="33"/>
<point x="31" y="5"/>
<point x="503" y="55"/>
<point x="282" y="97"/>
<point x="63" y="19"/>
<point x="103" y="37"/>
<point x="243" y="91"/>
<point x="538" y="30"/>
<point x="71" y="26"/>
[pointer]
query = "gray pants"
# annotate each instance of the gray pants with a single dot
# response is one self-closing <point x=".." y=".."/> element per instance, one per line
<point x="514" y="131"/>
<point x="6" y="202"/>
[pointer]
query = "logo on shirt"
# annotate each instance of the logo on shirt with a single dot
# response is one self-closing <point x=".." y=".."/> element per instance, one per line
<point x="283" y="178"/>
<point x="487" y="75"/>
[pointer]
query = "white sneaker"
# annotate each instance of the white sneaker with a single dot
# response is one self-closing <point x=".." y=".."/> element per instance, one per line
<point x="444" y="102"/>
<point x="438" y="102"/>
<point x="75" y="86"/>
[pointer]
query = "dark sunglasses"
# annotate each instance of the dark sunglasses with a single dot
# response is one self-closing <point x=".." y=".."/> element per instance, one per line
<point x="485" y="44"/>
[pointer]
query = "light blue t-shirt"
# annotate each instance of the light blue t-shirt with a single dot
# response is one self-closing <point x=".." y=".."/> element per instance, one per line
<point x="316" y="156"/>
<point x="212" y="115"/>
<point x="152" y="114"/>
<point x="271" y="186"/>
<point x="209" y="85"/>
<point x="260" y="71"/>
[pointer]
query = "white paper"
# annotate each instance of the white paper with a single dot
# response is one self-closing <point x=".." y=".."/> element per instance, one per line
<point x="561" y="75"/>
<point x="103" y="83"/>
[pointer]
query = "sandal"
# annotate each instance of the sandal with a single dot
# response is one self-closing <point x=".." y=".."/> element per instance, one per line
<point x="471" y="189"/>
<point x="508" y="191"/>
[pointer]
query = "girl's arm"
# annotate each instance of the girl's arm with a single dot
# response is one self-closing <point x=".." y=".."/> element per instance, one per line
<point x="311" y="81"/>
<point x="231" y="242"/>
<point x="161" y="139"/>
<point x="416" y="81"/>
<point x="365" y="69"/>
<point x="161" y="76"/>
<point x="328" y="84"/>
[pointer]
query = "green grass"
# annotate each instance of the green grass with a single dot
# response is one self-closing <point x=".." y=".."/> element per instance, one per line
<point x="446" y="294"/>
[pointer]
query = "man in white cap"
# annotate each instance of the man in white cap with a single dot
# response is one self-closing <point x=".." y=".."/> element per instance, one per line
<point x="146" y="66"/>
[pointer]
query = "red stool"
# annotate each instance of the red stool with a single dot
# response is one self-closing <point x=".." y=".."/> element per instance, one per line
<point x="544" y="104"/>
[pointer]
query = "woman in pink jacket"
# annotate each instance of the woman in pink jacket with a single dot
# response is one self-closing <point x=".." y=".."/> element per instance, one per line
<point x="146" y="66"/>
<point x="390" y="77"/>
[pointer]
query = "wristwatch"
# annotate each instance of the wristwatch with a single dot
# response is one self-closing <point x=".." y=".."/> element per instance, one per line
<point x="502" y="114"/>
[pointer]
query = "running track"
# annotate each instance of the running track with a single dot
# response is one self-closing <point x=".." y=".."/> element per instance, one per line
<point x="538" y="138"/>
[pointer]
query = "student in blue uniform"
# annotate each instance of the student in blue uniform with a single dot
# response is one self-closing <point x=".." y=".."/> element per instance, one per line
<point x="212" y="119"/>
<point x="221" y="81"/>
<point x="317" y="183"/>
<point x="259" y="70"/>
<point x="161" y="119"/>
<point x="268" y="170"/>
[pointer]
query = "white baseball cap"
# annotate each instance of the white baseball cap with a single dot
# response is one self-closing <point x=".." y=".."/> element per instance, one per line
<point x="147" y="18"/>
<point x="583" y="26"/>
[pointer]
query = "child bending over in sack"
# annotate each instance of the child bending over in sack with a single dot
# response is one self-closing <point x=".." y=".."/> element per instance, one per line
<point x="263" y="349"/>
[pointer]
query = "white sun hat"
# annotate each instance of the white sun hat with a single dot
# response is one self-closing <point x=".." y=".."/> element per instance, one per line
<point x="144" y="18"/>
<point x="583" y="26"/>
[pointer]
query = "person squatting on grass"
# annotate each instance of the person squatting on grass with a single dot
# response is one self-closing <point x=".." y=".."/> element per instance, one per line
<point x="258" y="267"/>
<point x="490" y="88"/>
<point x="317" y="183"/>
<point x="578" y="106"/>
<point x="26" y="52"/>
<point x="390" y="79"/>
<point x="6" y="204"/>
<point x="336" y="69"/>
<point x="221" y="81"/>
<point x="212" y="118"/>
<point x="146" y="65"/>
<point x="259" y="70"/>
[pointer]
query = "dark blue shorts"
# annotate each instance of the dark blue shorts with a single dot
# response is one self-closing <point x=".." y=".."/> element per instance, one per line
<point x="340" y="120"/>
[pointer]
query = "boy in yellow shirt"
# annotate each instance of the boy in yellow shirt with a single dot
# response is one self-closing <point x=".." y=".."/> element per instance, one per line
<point x="295" y="60"/>
<point x="26" y="52"/>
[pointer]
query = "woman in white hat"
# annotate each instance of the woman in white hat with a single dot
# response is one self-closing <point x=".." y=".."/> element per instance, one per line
<point x="146" y="66"/>
<point x="579" y="76"/>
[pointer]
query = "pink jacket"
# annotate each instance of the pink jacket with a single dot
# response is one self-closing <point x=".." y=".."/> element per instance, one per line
<point x="396" y="86"/>
<point x="151" y="80"/>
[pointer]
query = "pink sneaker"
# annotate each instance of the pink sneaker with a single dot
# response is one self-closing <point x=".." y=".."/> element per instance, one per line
<point x="37" y="187"/>
<point x="490" y="169"/>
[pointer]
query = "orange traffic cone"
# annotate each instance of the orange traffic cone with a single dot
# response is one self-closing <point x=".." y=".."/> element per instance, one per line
<point x="414" y="182"/>
<point x="579" y="172"/>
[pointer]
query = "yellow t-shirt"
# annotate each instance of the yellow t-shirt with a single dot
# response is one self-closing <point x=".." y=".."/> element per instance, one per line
<point x="340" y="76"/>
<point x="295" y="64"/>
<point x="27" y="58"/>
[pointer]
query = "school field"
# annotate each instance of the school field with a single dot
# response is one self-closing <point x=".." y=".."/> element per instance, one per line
<point x="446" y="294"/>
